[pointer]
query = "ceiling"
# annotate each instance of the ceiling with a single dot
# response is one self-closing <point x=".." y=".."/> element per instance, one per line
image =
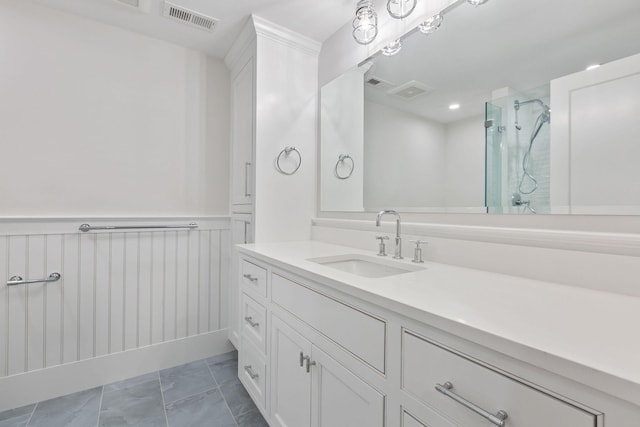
<point x="316" y="19"/>
<point x="505" y="43"/>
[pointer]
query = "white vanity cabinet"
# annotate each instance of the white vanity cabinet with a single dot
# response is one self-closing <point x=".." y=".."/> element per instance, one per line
<point x="310" y="388"/>
<point x="293" y="378"/>
<point x="315" y="353"/>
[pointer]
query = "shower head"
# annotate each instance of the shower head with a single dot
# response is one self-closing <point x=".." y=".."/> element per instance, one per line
<point x="517" y="104"/>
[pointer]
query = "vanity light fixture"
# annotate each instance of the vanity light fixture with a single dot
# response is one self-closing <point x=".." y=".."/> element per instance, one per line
<point x="400" y="9"/>
<point x="392" y="48"/>
<point x="476" y="2"/>
<point x="365" y="24"/>
<point x="431" y="25"/>
<point x="454" y="106"/>
<point x="592" y="67"/>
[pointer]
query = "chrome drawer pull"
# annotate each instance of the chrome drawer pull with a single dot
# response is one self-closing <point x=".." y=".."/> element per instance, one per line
<point x="497" y="419"/>
<point x="250" y="321"/>
<point x="251" y="373"/>
<point x="302" y="358"/>
<point x="250" y="277"/>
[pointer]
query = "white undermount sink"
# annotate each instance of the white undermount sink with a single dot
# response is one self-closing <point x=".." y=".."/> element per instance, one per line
<point x="366" y="266"/>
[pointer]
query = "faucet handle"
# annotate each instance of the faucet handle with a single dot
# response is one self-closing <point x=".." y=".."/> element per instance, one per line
<point x="417" y="252"/>
<point x="381" y="246"/>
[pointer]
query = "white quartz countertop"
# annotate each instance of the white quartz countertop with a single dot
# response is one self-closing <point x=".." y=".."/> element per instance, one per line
<point x="591" y="336"/>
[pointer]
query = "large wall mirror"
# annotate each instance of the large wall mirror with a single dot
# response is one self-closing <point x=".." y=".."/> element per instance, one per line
<point x="495" y="112"/>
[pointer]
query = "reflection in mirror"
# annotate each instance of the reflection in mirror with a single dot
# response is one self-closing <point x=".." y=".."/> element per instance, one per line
<point x="533" y="131"/>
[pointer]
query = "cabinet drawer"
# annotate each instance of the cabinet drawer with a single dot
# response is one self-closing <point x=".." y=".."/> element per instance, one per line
<point x="252" y="370"/>
<point x="254" y="322"/>
<point x="254" y="277"/>
<point x="425" y="364"/>
<point x="356" y="331"/>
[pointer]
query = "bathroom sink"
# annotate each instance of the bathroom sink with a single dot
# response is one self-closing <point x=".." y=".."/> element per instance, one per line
<point x="365" y="266"/>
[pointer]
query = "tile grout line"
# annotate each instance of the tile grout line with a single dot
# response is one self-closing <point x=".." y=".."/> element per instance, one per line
<point x="164" y="405"/>
<point x="31" y="416"/>
<point x="224" y="398"/>
<point x="100" y="406"/>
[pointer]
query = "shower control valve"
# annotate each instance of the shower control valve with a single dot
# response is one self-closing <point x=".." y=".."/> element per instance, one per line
<point x="417" y="252"/>
<point x="381" y="246"/>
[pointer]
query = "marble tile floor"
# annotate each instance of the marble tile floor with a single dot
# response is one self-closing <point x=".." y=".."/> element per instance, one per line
<point x="202" y="393"/>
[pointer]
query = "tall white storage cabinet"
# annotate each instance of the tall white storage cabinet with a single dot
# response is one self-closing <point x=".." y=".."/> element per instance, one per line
<point x="241" y="62"/>
<point x="274" y="88"/>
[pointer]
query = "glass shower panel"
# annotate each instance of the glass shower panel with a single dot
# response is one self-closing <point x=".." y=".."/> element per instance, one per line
<point x="493" y="157"/>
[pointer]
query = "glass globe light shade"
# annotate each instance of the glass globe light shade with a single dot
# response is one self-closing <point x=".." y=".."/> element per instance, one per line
<point x="365" y="24"/>
<point x="431" y="25"/>
<point x="399" y="9"/>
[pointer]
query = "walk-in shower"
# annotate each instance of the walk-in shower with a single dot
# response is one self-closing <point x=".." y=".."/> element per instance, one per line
<point x="517" y="152"/>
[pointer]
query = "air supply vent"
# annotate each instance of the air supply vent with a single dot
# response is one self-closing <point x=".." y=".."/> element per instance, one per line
<point x="377" y="82"/>
<point x="189" y="17"/>
<point x="410" y="90"/>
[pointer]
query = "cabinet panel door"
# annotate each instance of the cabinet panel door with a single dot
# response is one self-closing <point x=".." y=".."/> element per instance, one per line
<point x="290" y="382"/>
<point x="242" y="130"/>
<point x="341" y="399"/>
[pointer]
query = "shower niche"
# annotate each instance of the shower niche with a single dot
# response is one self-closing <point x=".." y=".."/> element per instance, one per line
<point x="517" y="136"/>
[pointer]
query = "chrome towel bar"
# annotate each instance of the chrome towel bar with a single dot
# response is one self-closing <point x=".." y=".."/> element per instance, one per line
<point x="86" y="227"/>
<point x="18" y="280"/>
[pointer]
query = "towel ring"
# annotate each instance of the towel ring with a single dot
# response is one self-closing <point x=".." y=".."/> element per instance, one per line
<point x="341" y="159"/>
<point x="286" y="151"/>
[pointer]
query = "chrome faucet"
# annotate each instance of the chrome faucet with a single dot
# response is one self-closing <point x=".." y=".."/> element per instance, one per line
<point x="398" y="252"/>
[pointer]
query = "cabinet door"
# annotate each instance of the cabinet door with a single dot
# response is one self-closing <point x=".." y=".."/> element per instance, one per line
<point x="290" y="382"/>
<point x="241" y="228"/>
<point x="341" y="399"/>
<point x="242" y="134"/>
<point x="241" y="232"/>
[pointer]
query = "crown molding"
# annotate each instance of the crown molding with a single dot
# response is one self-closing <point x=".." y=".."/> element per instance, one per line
<point x="242" y="43"/>
<point x="285" y="36"/>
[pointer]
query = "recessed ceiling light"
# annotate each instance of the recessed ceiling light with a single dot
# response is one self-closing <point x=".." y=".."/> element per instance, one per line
<point x="454" y="106"/>
<point x="592" y="67"/>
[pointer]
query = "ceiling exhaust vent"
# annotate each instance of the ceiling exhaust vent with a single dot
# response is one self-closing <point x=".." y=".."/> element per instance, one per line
<point x="189" y="17"/>
<point x="410" y="90"/>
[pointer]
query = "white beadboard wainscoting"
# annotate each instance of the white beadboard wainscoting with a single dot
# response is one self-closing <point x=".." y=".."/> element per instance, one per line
<point x="120" y="291"/>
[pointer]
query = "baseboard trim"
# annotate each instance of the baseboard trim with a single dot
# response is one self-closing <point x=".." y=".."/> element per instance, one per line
<point x="35" y="386"/>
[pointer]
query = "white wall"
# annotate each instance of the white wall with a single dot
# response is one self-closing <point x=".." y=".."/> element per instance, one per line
<point x="464" y="163"/>
<point x="286" y="115"/>
<point x="98" y="121"/>
<point x="404" y="159"/>
<point x="342" y="132"/>
<point x="595" y="127"/>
